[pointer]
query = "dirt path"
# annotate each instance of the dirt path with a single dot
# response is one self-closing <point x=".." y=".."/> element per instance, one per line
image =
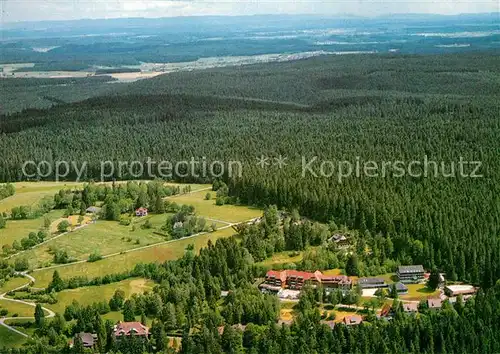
<point x="2" y="297"/>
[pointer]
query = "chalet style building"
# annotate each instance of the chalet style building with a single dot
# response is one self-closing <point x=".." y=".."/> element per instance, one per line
<point x="411" y="274"/>
<point x="295" y="280"/>
<point x="372" y="283"/>
<point x="141" y="212"/>
<point x="127" y="329"/>
<point x="89" y="340"/>
<point x="340" y="240"/>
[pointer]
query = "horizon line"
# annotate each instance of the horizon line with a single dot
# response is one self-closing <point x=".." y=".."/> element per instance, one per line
<point x="337" y="16"/>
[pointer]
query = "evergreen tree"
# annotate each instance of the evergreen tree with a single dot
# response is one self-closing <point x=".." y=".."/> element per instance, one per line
<point x="128" y="311"/>
<point x="57" y="284"/>
<point x="434" y="281"/>
<point x="39" y="316"/>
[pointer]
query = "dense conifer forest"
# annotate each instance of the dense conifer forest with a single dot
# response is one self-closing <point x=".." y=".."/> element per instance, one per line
<point x="371" y="108"/>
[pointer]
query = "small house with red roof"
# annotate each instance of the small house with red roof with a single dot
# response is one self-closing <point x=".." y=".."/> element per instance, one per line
<point x="127" y="329"/>
<point x="141" y="212"/>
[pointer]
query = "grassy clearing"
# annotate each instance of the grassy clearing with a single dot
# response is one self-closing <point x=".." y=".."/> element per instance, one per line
<point x="105" y="237"/>
<point x="13" y="283"/>
<point x="17" y="324"/>
<point x="286" y="315"/>
<point x="127" y="261"/>
<point x="22" y="310"/>
<point x="417" y="292"/>
<point x="73" y="222"/>
<point x="10" y="339"/>
<point x="336" y="271"/>
<point x="283" y="258"/>
<point x="18" y="229"/>
<point x="208" y="209"/>
<point x="29" y="193"/>
<point x="89" y="295"/>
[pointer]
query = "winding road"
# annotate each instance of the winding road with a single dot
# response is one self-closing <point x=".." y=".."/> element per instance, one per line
<point x="49" y="312"/>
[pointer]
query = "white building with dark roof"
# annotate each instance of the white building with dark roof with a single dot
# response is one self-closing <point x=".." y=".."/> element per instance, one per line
<point x="411" y="273"/>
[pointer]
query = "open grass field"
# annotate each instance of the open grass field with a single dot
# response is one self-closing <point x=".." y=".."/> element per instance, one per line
<point x="417" y="292"/>
<point x="208" y="209"/>
<point x="22" y="310"/>
<point x="18" y="229"/>
<point x="10" y="339"/>
<point x="283" y="258"/>
<point x="89" y="295"/>
<point x="127" y="261"/>
<point x="17" y="324"/>
<point x="29" y="193"/>
<point x="13" y="283"/>
<point x="105" y="237"/>
<point x="73" y="222"/>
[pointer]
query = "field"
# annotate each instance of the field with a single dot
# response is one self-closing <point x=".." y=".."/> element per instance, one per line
<point x="127" y="261"/>
<point x="89" y="295"/>
<point x="417" y="292"/>
<point x="18" y="229"/>
<point x="13" y="283"/>
<point x="10" y="339"/>
<point x="282" y="258"/>
<point x="111" y="238"/>
<point x="28" y="193"/>
<point x="208" y="209"/>
<point x="22" y="310"/>
<point x="104" y="237"/>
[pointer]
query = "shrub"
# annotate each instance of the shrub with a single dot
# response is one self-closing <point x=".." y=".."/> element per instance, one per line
<point x="94" y="257"/>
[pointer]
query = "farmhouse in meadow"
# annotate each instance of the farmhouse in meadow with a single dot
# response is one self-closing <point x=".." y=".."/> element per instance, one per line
<point x="141" y="212"/>
<point x="411" y="273"/>
<point x="295" y="280"/>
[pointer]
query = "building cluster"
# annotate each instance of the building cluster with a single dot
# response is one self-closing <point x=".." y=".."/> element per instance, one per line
<point x="276" y="281"/>
<point x="120" y="330"/>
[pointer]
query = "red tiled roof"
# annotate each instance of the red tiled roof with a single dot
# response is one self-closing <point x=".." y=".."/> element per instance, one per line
<point x="141" y="209"/>
<point x="130" y="328"/>
<point x="284" y="274"/>
<point x="277" y="275"/>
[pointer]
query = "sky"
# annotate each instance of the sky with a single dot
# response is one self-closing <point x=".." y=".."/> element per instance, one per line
<point x="40" y="10"/>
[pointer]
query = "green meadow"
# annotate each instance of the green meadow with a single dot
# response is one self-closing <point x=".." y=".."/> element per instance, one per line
<point x="88" y="295"/>
<point x="127" y="261"/>
<point x="10" y="339"/>
<point x="208" y="209"/>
